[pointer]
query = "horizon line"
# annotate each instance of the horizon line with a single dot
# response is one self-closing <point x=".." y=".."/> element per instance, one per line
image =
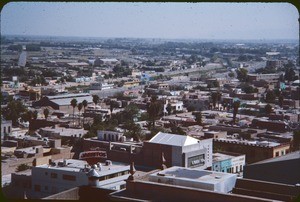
<point x="160" y="38"/>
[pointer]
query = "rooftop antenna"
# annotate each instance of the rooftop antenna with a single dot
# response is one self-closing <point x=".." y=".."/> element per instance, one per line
<point x="163" y="161"/>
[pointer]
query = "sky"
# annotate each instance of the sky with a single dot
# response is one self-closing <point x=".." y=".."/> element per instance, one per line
<point x="247" y="21"/>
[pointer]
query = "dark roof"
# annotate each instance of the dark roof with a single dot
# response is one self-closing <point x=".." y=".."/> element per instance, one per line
<point x="287" y="157"/>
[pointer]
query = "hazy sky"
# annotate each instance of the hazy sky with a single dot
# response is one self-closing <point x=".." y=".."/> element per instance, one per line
<point x="152" y="20"/>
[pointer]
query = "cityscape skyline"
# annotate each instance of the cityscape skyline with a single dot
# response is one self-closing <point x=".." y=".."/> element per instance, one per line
<point x="268" y="21"/>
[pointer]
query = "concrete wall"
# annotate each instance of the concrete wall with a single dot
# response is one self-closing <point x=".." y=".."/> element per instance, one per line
<point x="267" y="187"/>
<point x="42" y="177"/>
<point x="71" y="194"/>
<point x="163" y="192"/>
<point x="10" y="167"/>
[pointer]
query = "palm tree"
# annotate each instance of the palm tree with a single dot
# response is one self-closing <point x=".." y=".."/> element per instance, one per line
<point x="236" y="106"/>
<point x="73" y="104"/>
<point x="214" y="98"/>
<point x="95" y="99"/>
<point x="79" y="107"/>
<point x="46" y="113"/>
<point x="154" y="109"/>
<point x="113" y="105"/>
<point x="198" y="118"/>
<point x="84" y="104"/>
<point x="219" y="96"/>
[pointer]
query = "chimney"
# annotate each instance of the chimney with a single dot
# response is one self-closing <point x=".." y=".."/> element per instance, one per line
<point x="131" y="171"/>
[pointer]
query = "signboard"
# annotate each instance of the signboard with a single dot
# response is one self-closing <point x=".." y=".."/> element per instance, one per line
<point x="196" y="161"/>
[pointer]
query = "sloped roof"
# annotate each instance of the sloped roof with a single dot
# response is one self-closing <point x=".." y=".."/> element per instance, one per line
<point x="173" y="139"/>
<point x="287" y="157"/>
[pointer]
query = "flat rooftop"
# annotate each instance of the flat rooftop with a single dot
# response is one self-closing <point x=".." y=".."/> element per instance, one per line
<point x="193" y="174"/>
<point x="253" y="143"/>
<point x="222" y="157"/>
<point x="79" y="166"/>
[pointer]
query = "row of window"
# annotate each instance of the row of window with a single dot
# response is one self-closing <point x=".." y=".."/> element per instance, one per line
<point x="64" y="176"/>
<point x="231" y="170"/>
<point x="37" y="188"/>
<point x="8" y="128"/>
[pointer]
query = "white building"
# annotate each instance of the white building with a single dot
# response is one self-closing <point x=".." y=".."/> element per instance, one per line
<point x="179" y="150"/>
<point x="111" y="136"/>
<point x="175" y="105"/>
<point x="201" y="179"/>
<point x="6" y="128"/>
<point x="59" y="176"/>
<point x="228" y="163"/>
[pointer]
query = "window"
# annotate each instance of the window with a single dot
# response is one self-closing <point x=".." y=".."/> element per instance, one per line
<point x="69" y="177"/>
<point x="277" y="154"/>
<point x="241" y="168"/>
<point x="37" y="188"/>
<point x="53" y="175"/>
<point x="4" y="130"/>
<point x="9" y="129"/>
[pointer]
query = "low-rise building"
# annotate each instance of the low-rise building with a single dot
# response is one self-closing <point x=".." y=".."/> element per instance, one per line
<point x="179" y="150"/>
<point x="228" y="162"/>
<point x="6" y="128"/>
<point x="254" y="150"/>
<point x="194" y="178"/>
<point x="61" y="175"/>
<point x="63" y="102"/>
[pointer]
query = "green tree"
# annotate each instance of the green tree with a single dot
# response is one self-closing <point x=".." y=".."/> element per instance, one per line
<point x="113" y="105"/>
<point x="242" y="74"/>
<point x="268" y="109"/>
<point x="73" y="104"/>
<point x="84" y="104"/>
<point x="130" y="112"/>
<point x="79" y="107"/>
<point x="175" y="129"/>
<point x="134" y="131"/>
<point x="96" y="99"/>
<point x="198" y="118"/>
<point x="214" y="98"/>
<point x="191" y="108"/>
<point x="235" y="106"/>
<point x="169" y="108"/>
<point x="270" y="96"/>
<point x="249" y="89"/>
<point x="231" y="74"/>
<point x="22" y="167"/>
<point x="46" y="113"/>
<point x="13" y="111"/>
<point x="289" y="74"/>
<point x="154" y="109"/>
